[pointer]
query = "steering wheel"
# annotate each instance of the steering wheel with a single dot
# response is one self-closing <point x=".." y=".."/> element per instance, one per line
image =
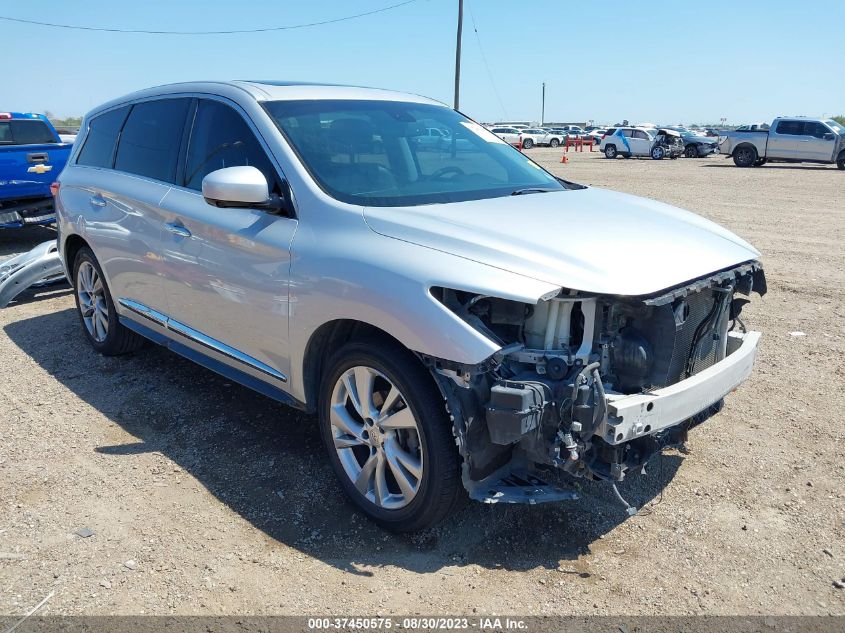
<point x="443" y="171"/>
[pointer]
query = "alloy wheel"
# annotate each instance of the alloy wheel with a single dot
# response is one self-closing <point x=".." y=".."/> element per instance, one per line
<point x="377" y="437"/>
<point x="92" y="301"/>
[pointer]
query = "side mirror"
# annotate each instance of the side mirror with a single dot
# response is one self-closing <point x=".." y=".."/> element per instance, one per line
<point x="829" y="136"/>
<point x="244" y="187"/>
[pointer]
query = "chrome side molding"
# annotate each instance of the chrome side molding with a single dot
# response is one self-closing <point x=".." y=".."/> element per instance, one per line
<point x="199" y="338"/>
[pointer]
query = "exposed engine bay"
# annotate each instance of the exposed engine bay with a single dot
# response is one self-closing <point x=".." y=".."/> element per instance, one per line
<point x="592" y="385"/>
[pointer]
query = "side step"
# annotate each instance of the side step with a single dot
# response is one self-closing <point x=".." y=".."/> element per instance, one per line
<point x="39" y="267"/>
<point x="519" y="486"/>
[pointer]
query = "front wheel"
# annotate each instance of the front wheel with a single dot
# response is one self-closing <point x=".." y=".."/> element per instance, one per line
<point x="527" y="143"/>
<point x="389" y="439"/>
<point x="691" y="151"/>
<point x="96" y="308"/>
<point x="554" y="143"/>
<point x="841" y="162"/>
<point x="657" y="153"/>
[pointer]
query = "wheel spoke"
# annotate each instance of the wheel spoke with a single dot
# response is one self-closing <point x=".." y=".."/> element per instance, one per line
<point x="347" y="441"/>
<point x="367" y="474"/>
<point x="389" y="402"/>
<point x="408" y="488"/>
<point x="397" y="455"/>
<point x="342" y="421"/>
<point x="403" y="419"/>
<point x="380" y="488"/>
<point x="364" y="386"/>
<point x="352" y="393"/>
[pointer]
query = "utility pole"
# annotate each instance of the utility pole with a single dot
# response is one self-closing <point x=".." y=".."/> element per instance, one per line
<point x="543" y="108"/>
<point x="458" y="55"/>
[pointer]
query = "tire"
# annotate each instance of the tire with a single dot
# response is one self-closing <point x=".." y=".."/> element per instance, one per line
<point x="691" y="151"/>
<point x="745" y="156"/>
<point x="554" y="143"/>
<point x="658" y="153"/>
<point x="360" y="447"/>
<point x="759" y="162"/>
<point x="527" y="143"/>
<point x="610" y="151"/>
<point x="96" y="310"/>
<point x="841" y="161"/>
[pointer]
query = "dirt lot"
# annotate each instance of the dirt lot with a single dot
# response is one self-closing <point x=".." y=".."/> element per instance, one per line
<point x="204" y="497"/>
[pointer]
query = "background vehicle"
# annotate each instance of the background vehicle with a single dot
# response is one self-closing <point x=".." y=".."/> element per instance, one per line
<point x="666" y="144"/>
<point x="626" y="142"/>
<point x="434" y="337"/>
<point x="507" y="134"/>
<point x="697" y="146"/>
<point x="790" y="139"/>
<point x="539" y="136"/>
<point x="31" y="157"/>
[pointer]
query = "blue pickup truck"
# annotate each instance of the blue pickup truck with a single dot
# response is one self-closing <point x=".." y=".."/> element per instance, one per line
<point x="31" y="158"/>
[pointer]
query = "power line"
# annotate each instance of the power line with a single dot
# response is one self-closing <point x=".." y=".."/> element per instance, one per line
<point x="230" y="32"/>
<point x="484" y="59"/>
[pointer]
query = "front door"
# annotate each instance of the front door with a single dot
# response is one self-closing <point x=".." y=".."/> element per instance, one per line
<point x="227" y="270"/>
<point x="816" y="142"/>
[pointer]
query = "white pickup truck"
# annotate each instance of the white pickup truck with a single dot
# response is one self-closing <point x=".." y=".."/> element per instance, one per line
<point x="790" y="139"/>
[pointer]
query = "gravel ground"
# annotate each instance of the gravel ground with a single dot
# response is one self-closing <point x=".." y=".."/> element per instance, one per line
<point x="206" y="498"/>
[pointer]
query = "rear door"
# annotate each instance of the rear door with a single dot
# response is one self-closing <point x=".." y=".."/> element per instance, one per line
<point x="129" y="159"/>
<point x="816" y="142"/>
<point x="783" y="139"/>
<point x="227" y="270"/>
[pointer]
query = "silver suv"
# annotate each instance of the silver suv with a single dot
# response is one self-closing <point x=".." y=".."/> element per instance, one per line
<point x="457" y="317"/>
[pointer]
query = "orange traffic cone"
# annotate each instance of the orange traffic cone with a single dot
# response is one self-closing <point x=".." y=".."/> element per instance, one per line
<point x="564" y="159"/>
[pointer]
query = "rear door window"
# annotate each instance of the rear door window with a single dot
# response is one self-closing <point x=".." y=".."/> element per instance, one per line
<point x="220" y="138"/>
<point x="98" y="150"/>
<point x="150" y="140"/>
<point x="790" y="127"/>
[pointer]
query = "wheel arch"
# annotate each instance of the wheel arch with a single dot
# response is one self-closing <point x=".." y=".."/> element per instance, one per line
<point x="327" y="339"/>
<point x="73" y="243"/>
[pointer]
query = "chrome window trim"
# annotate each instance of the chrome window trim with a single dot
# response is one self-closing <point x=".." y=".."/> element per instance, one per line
<point x="199" y="338"/>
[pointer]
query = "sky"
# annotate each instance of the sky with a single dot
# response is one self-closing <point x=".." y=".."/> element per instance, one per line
<point x="652" y="60"/>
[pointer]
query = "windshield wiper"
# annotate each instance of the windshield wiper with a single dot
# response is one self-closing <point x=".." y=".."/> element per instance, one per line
<point x="520" y="192"/>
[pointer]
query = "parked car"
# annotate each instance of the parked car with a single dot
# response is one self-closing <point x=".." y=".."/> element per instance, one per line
<point x="790" y="139"/>
<point x="627" y="142"/>
<point x="507" y="134"/>
<point x="31" y="157"/>
<point x="539" y="136"/>
<point x="697" y="146"/>
<point x="595" y="135"/>
<point x="453" y="321"/>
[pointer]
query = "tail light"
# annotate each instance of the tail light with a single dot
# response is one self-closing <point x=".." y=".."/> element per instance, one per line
<point x="5" y="115"/>
<point x="54" y="188"/>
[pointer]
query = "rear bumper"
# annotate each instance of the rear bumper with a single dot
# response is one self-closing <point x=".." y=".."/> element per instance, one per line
<point x="27" y="212"/>
<point x="632" y="416"/>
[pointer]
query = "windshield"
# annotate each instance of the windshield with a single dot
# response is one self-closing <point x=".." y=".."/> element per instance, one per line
<point x="837" y="127"/>
<point x="380" y="153"/>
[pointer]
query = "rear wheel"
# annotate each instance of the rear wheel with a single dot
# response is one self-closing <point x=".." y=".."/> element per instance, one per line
<point x="759" y="162"/>
<point x="388" y="436"/>
<point x="610" y="151"/>
<point x="96" y="309"/>
<point x="691" y="151"/>
<point x="841" y="161"/>
<point x="527" y="143"/>
<point x="745" y="156"/>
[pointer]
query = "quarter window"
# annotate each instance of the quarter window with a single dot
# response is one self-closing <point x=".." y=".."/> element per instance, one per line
<point x="149" y="143"/>
<point x="221" y="138"/>
<point x="98" y="150"/>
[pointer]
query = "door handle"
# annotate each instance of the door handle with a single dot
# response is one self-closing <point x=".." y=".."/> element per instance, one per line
<point x="98" y="201"/>
<point x="177" y="229"/>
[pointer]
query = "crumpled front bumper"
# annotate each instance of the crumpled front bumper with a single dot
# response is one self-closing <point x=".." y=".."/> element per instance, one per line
<point x="636" y="415"/>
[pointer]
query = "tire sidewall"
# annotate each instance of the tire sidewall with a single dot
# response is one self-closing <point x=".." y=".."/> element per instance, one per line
<point x="390" y="363"/>
<point x="85" y="254"/>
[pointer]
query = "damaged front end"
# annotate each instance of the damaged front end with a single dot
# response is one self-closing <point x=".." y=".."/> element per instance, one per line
<point x="592" y="385"/>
